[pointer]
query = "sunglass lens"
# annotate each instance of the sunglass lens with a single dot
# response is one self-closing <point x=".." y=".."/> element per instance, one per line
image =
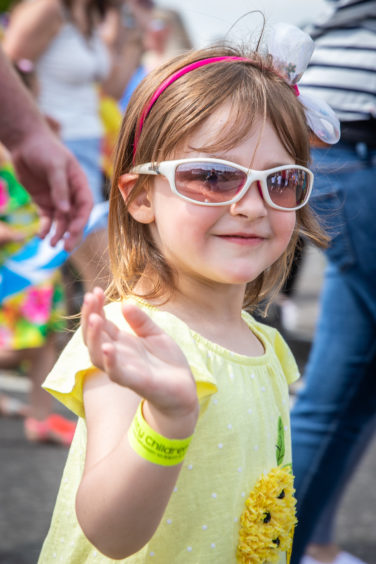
<point x="209" y="182"/>
<point x="288" y="188"/>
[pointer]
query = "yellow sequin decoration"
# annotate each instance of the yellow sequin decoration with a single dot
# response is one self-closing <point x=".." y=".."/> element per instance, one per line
<point x="267" y="523"/>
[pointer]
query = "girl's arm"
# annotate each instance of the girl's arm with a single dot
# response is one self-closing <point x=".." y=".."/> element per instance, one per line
<point x="32" y="26"/>
<point x="122" y="497"/>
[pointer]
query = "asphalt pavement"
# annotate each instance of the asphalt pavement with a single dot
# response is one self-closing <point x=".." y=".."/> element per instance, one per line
<point x="30" y="473"/>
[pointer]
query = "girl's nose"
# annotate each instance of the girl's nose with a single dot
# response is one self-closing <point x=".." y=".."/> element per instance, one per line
<point x="252" y="204"/>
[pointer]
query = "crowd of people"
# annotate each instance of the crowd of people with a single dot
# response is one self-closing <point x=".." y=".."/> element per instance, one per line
<point x="176" y="185"/>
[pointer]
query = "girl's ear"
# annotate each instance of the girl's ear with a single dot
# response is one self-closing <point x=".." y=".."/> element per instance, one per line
<point x="140" y="209"/>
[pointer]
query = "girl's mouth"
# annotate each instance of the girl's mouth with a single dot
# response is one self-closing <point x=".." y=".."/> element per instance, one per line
<point x="242" y="238"/>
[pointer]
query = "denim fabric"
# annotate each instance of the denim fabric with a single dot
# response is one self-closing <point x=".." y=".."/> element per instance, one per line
<point x="339" y="394"/>
<point x="88" y="154"/>
<point x="324" y="532"/>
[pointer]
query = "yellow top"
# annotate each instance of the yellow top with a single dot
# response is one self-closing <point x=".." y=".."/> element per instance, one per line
<point x="241" y="443"/>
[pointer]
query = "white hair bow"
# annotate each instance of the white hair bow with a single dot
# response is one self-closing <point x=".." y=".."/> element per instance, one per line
<point x="292" y="49"/>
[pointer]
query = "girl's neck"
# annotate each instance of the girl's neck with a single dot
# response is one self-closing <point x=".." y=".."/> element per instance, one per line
<point x="193" y="301"/>
<point x="213" y="307"/>
<point x="213" y="311"/>
<point x="218" y="319"/>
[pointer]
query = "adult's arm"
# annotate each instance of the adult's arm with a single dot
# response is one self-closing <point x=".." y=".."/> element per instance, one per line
<point x="123" y="36"/>
<point x="32" y="27"/>
<point x="48" y="171"/>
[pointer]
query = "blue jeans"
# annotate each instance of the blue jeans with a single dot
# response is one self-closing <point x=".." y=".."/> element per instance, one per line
<point x="339" y="394"/>
<point x="88" y="153"/>
<point x="324" y="532"/>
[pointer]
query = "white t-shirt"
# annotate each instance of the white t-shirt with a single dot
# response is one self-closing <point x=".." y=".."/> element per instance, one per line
<point x="67" y="72"/>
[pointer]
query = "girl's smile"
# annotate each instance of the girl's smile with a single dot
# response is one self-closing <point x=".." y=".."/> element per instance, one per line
<point x="242" y="238"/>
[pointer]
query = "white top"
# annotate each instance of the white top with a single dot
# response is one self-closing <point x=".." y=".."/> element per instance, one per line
<point x="67" y="74"/>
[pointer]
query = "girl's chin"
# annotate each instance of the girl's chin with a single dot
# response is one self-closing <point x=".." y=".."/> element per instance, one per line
<point x="239" y="279"/>
<point x="242" y="277"/>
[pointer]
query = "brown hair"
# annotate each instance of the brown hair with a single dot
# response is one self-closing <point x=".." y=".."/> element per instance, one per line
<point x="254" y="90"/>
<point x="94" y="9"/>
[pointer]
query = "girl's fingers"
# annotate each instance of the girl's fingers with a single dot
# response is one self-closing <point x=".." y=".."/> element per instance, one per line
<point x="95" y="337"/>
<point x="134" y="375"/>
<point x="111" y="330"/>
<point x="109" y="358"/>
<point x="99" y="331"/>
<point x="85" y="312"/>
<point x="140" y="322"/>
<point x="99" y="294"/>
<point x="93" y="303"/>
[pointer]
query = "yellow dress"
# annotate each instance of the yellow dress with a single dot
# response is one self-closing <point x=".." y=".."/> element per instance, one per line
<point x="240" y="453"/>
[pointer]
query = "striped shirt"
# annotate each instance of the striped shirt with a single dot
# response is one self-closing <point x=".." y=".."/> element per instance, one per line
<point x="342" y="70"/>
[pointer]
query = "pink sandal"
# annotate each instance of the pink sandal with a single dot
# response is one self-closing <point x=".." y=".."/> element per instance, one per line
<point x="53" y="429"/>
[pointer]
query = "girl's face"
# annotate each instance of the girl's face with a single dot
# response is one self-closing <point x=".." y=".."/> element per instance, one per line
<point x="230" y="244"/>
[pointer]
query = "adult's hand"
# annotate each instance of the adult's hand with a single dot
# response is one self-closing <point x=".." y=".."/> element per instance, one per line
<point x="56" y="183"/>
<point x="44" y="166"/>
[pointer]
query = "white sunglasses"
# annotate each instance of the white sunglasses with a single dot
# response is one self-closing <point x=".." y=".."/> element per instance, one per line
<point x="215" y="182"/>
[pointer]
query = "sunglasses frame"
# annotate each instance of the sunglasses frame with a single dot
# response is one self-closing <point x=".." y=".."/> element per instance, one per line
<point x="168" y="168"/>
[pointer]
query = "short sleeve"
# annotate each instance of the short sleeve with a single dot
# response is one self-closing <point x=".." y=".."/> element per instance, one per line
<point x="286" y="358"/>
<point x="65" y="381"/>
<point x="280" y="348"/>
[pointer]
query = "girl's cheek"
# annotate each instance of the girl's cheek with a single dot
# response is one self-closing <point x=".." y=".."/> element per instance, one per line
<point x="285" y="225"/>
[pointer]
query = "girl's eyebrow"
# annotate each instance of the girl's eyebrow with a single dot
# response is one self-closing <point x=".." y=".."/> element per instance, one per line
<point x="279" y="163"/>
<point x="196" y="153"/>
<point x="233" y="159"/>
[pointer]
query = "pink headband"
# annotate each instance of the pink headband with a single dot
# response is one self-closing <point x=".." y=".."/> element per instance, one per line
<point x="170" y="79"/>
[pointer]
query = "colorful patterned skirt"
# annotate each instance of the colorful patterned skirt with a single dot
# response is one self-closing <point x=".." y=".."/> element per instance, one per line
<point x="28" y="313"/>
<point x="28" y="317"/>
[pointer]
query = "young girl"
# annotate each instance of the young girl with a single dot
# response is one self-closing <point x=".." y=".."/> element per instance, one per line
<point x="182" y="452"/>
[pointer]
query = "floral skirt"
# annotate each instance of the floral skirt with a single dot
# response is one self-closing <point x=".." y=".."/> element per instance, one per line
<point x="27" y="318"/>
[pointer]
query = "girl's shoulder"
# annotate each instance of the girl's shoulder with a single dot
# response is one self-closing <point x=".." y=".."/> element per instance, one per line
<point x="277" y="344"/>
<point x="270" y="333"/>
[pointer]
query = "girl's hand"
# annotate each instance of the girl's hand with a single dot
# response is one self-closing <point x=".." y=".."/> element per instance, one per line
<point x="148" y="362"/>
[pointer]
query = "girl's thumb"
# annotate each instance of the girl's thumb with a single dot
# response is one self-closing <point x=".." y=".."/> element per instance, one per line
<point x="139" y="321"/>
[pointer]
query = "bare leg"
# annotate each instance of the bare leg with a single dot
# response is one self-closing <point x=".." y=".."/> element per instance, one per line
<point x="43" y="425"/>
<point x="10" y="406"/>
<point x="11" y="359"/>
<point x="41" y="360"/>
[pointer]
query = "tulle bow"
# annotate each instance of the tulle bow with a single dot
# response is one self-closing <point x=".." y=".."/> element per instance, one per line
<point x="292" y="49"/>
